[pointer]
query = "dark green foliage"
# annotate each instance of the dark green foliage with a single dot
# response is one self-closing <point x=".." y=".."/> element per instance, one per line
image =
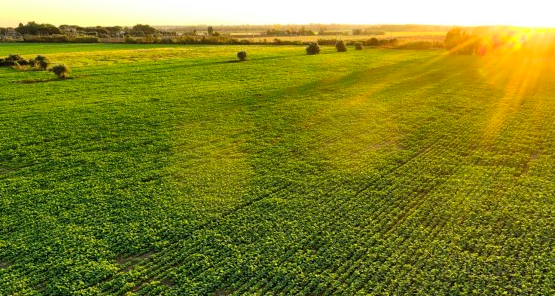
<point x="242" y="55"/>
<point x="61" y="39"/>
<point x="13" y="60"/>
<point x="312" y="49"/>
<point x="358" y="46"/>
<point x="6" y="63"/>
<point x="60" y="70"/>
<point x="41" y="62"/>
<point x="85" y="40"/>
<point x="14" y="57"/>
<point x="373" y="42"/>
<point x="33" y="28"/>
<point x="417" y="45"/>
<point x="23" y="62"/>
<point x="322" y="41"/>
<point x="47" y="39"/>
<point x="142" y="30"/>
<point x="340" y="46"/>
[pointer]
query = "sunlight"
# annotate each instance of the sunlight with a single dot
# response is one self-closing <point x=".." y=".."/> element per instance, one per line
<point x="514" y="63"/>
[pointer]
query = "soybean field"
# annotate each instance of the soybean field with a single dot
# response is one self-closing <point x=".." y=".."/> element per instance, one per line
<point x="174" y="170"/>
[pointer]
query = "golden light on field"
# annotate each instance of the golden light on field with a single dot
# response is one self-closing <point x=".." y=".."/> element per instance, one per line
<point x="177" y="12"/>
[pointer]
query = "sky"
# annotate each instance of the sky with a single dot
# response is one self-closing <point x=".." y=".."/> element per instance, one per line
<point x="531" y="13"/>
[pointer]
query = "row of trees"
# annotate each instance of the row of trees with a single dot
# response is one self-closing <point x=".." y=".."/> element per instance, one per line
<point x="300" y="32"/>
<point x="32" y="28"/>
<point x="35" y="29"/>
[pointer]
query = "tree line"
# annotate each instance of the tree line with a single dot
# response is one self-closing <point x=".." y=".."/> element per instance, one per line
<point x="36" y="29"/>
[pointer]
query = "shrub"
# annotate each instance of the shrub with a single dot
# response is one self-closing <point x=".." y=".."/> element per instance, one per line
<point x="12" y="60"/>
<point x="358" y="45"/>
<point x="340" y="46"/>
<point x="242" y="56"/>
<point x="327" y="41"/>
<point x="313" y="48"/>
<point x="61" y="70"/>
<point x="373" y="42"/>
<point x="48" y="39"/>
<point x="6" y="63"/>
<point x="41" y="62"/>
<point x="14" y="57"/>
<point x="86" y="40"/>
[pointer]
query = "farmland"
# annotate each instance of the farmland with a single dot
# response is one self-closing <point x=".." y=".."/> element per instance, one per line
<point x="402" y="36"/>
<point x="166" y="169"/>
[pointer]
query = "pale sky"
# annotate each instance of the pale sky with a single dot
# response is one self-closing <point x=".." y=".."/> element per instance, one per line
<point x="227" y="12"/>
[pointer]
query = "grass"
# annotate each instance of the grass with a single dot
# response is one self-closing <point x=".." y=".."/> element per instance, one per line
<point x="169" y="170"/>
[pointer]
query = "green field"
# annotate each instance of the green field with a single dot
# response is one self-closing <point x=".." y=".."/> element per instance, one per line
<point x="171" y="170"/>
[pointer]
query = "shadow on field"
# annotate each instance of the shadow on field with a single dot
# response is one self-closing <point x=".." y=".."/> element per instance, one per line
<point x="31" y="81"/>
<point x="260" y="59"/>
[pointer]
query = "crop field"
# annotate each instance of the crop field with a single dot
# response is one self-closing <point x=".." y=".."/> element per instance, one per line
<point x="432" y="36"/>
<point x="172" y="170"/>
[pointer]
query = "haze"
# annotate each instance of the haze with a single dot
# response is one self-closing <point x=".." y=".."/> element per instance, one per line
<point x="533" y="13"/>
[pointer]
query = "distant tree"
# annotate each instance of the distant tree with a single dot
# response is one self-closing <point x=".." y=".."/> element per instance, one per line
<point x="32" y="28"/>
<point x="142" y="30"/>
<point x="242" y="56"/>
<point x="210" y="30"/>
<point x="313" y="48"/>
<point x="340" y="46"/>
<point x="61" y="71"/>
<point x="358" y="45"/>
<point x="373" y="42"/>
<point x="453" y="38"/>
<point x="458" y="41"/>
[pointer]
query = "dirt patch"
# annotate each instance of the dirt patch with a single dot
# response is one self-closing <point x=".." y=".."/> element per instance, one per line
<point x="31" y="81"/>
<point x="168" y="283"/>
<point x="128" y="263"/>
<point x="221" y="293"/>
<point x="6" y="170"/>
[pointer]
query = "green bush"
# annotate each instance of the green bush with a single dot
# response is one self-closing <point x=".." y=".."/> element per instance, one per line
<point x="14" y="57"/>
<point x="86" y="40"/>
<point x="242" y="56"/>
<point x="313" y="48"/>
<point x="41" y="62"/>
<point x="13" y="60"/>
<point x="61" y="71"/>
<point x="6" y="63"/>
<point x="340" y="46"/>
<point x="358" y="45"/>
<point x="373" y="42"/>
